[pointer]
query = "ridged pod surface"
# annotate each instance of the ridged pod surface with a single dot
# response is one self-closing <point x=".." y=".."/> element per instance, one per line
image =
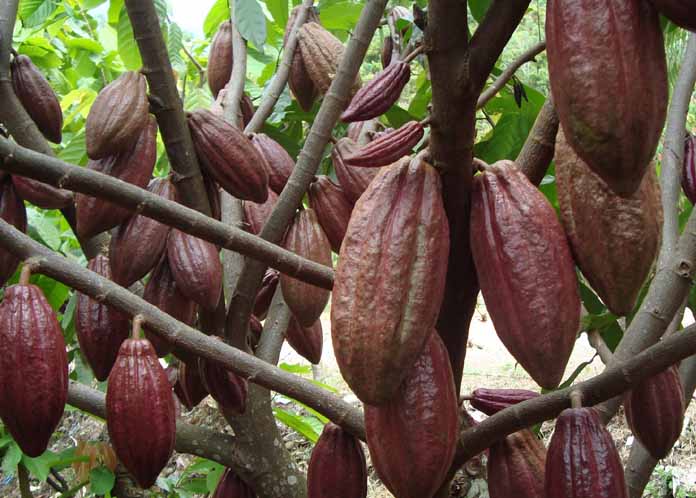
<point x="280" y="164"/>
<point x="139" y="391"/>
<point x="689" y="170"/>
<point x="189" y="386"/>
<point x="37" y="97"/>
<point x="332" y="207"/>
<point x="301" y="85"/>
<point x="582" y="461"/>
<point x="387" y="148"/>
<point x="12" y="210"/>
<point x="265" y="294"/>
<point x="213" y="191"/>
<point x="226" y="387"/>
<point x="600" y="52"/>
<point x="228" y="156"/>
<point x="134" y="166"/>
<point x="41" y="194"/>
<point x="525" y="270"/>
<point x="380" y="316"/>
<point x="491" y="401"/>
<point x="118" y="115"/>
<point x="337" y="466"/>
<point x="308" y="342"/>
<point x="196" y="267"/>
<point x="220" y="58"/>
<point x="33" y="368"/>
<point x="306" y="238"/>
<point x="138" y="244"/>
<point x="256" y="215"/>
<point x="387" y="51"/>
<point x="100" y="328"/>
<point x="655" y="411"/>
<point x="378" y="95"/>
<point x="617" y="263"/>
<point x="353" y="180"/>
<point x="231" y="486"/>
<point x="516" y="466"/>
<point x="412" y="438"/>
<point x="680" y="12"/>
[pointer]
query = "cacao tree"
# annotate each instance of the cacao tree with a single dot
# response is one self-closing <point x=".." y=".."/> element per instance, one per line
<point x="157" y="245"/>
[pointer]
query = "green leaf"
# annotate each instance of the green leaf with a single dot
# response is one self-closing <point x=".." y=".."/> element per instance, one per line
<point x="84" y="43"/>
<point x="297" y="422"/>
<point x="35" y="12"/>
<point x="101" y="480"/>
<point x="197" y="485"/>
<point x="341" y="15"/>
<point x="279" y="10"/>
<point x="40" y="466"/>
<point x="174" y="44"/>
<point x="218" y="13"/>
<point x="575" y="374"/>
<point x="251" y="21"/>
<point x="45" y="228"/>
<point x="90" y="4"/>
<point x="479" y="8"/>
<point x="13" y="455"/>
<point x="115" y="7"/>
<point x="127" y="48"/>
<point x="296" y="369"/>
<point x="213" y="477"/>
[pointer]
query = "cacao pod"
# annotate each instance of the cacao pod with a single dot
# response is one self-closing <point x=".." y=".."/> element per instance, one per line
<point x="139" y="391"/>
<point x="33" y="368"/>
<point x="312" y="16"/>
<point x="361" y="132"/>
<point x="213" y="191"/>
<point x="306" y="238"/>
<point x="388" y="148"/>
<point x="134" y="166"/>
<point x="387" y="51"/>
<point x="247" y="108"/>
<point x="255" y="330"/>
<point x="332" y="207"/>
<point x="189" y="386"/>
<point x="516" y="466"/>
<point x="308" y="342"/>
<point x="12" y="210"/>
<point x="491" y="401"/>
<point x="412" y="438"/>
<point x="231" y="486"/>
<point x="37" y="97"/>
<point x="617" y="263"/>
<point x="41" y="194"/>
<point x="300" y="83"/>
<point x="139" y="243"/>
<point x="256" y="215"/>
<point x="228" y="156"/>
<point x="265" y="294"/>
<point x="612" y="115"/>
<point x="196" y="267"/>
<point x="280" y="164"/>
<point x="100" y="328"/>
<point x="353" y="181"/>
<point x="655" y="411"/>
<point x="381" y="318"/>
<point x="689" y="170"/>
<point x="680" y="12"/>
<point x="378" y="95"/>
<point x="220" y="58"/>
<point x="582" y="461"/>
<point x="117" y="117"/>
<point x="337" y="467"/>
<point x="226" y="387"/>
<point x="525" y="270"/>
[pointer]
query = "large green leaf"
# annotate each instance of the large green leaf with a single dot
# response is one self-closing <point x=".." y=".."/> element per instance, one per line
<point x="479" y="8"/>
<point x="299" y="423"/>
<point x="101" y="480"/>
<point x="114" y="13"/>
<point x="174" y="44"/>
<point x="35" y="12"/>
<point x="13" y="455"/>
<point x="341" y="15"/>
<point x="251" y="21"/>
<point x="279" y="10"/>
<point x="127" y="48"/>
<point x="218" y="13"/>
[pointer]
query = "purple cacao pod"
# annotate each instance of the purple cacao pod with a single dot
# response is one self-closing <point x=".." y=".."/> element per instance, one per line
<point x="226" y="387"/>
<point x="231" y="486"/>
<point x="279" y="162"/>
<point x="308" y="342"/>
<point x="378" y="95"/>
<point x="220" y="58"/>
<point x="265" y="294"/>
<point x="189" y="386"/>
<point x="516" y="466"/>
<point x="332" y="207"/>
<point x="12" y="210"/>
<point x="256" y="215"/>
<point x="387" y="148"/>
<point x="491" y="401"/>
<point x="353" y="181"/>
<point x="689" y="170"/>
<point x="41" y="194"/>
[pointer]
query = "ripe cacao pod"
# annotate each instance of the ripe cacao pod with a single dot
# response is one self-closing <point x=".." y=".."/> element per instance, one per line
<point x="617" y="263"/>
<point x="37" y="97"/>
<point x="196" y="267"/>
<point x="41" y="194"/>
<point x="337" y="466"/>
<point x="312" y="16"/>
<point x="308" y="342"/>
<point x="353" y="181"/>
<point x="689" y="170"/>
<point x="387" y="51"/>
<point x="280" y="164"/>
<point x="189" y="386"/>
<point x="381" y="318"/>
<point x="680" y="12"/>
<point x="491" y="401"/>
<point x="412" y="438"/>
<point x="256" y="215"/>
<point x="525" y="270"/>
<point x="300" y="83"/>
<point x="255" y="330"/>
<point x="213" y="191"/>
<point x="611" y="113"/>
<point x="12" y="210"/>
<point x="228" y="156"/>
<point x="134" y="166"/>
<point x="220" y="58"/>
<point x="387" y="148"/>
<point x="378" y="95"/>
<point x="231" y="486"/>
<point x="332" y="207"/>
<point x="117" y="117"/>
<point x="582" y="461"/>
<point x="306" y="238"/>
<point x="226" y="387"/>
<point x="265" y="294"/>
<point x="100" y="328"/>
<point x="139" y="243"/>
<point x="33" y="368"/>
<point x="516" y="466"/>
<point x="655" y="411"/>
<point x="139" y="391"/>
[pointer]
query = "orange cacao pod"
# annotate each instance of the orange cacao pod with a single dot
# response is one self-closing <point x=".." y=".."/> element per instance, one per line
<point x="353" y="180"/>
<point x="256" y="215"/>
<point x="220" y="58"/>
<point x="265" y="294"/>
<point x="100" y="328"/>
<point x="280" y="164"/>
<point x="491" y="401"/>
<point x="308" y="342"/>
<point x="655" y="411"/>
<point x="337" y="466"/>
<point x="617" y="263"/>
<point x="332" y="207"/>
<point x="12" y="210"/>
<point x="680" y="12"/>
<point x="41" y="194"/>
<point x="189" y="386"/>
<point x="381" y="318"/>
<point x="118" y="115"/>
<point x="525" y="270"/>
<point x="139" y="391"/>
<point x="226" y="387"/>
<point x="387" y="148"/>
<point x="516" y="466"/>
<point x="611" y="113"/>
<point x="231" y="486"/>
<point x="379" y="94"/>
<point x="33" y="368"/>
<point x="412" y="438"/>
<point x="689" y="170"/>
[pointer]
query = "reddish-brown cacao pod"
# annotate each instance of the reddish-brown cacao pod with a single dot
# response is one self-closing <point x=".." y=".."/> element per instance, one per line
<point x="332" y="207"/>
<point x="516" y="466"/>
<point x="279" y="162"/>
<point x="33" y="368"/>
<point x="12" y="210"/>
<point x="655" y="411"/>
<point x="37" y="97"/>
<point x="220" y="58"/>
<point x="255" y="330"/>
<point x="387" y="148"/>
<point x="100" y="328"/>
<point x="306" y="238"/>
<point x="361" y="132"/>
<point x="353" y="180"/>
<point x="381" y="318"/>
<point x="312" y="16"/>
<point x="213" y="191"/>
<point x="582" y="461"/>
<point x="308" y="342"/>
<point x="491" y="401"/>
<point x="617" y="263"/>
<point x="226" y="387"/>
<point x="300" y="83"/>
<point x="599" y="53"/>
<point x="265" y="294"/>
<point x="379" y="94"/>
<point x="41" y="194"/>
<point x="118" y="115"/>
<point x="689" y="170"/>
<point x="189" y="386"/>
<point x="231" y="486"/>
<point x="387" y="51"/>
<point x="412" y="438"/>
<point x="139" y="391"/>
<point x="680" y="12"/>
<point x="228" y="156"/>
<point x="337" y="466"/>
<point x="139" y="243"/>
<point x="196" y="267"/>
<point x="256" y="215"/>
<point x="134" y="166"/>
<point x="525" y="270"/>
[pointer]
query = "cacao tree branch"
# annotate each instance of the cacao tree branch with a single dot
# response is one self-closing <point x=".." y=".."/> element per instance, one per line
<point x="274" y="329"/>
<point x="199" y="68"/>
<point x="596" y="341"/>
<point x="538" y="150"/>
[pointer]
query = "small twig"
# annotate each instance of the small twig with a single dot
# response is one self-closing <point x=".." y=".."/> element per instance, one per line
<point x="199" y="68"/>
<point x="597" y="342"/>
<point x="23" y="477"/>
<point x="60" y="479"/>
<point x="415" y="53"/>
<point x="575" y="399"/>
<point x="58" y="487"/>
<point x="25" y="274"/>
<point x="137" y="328"/>
<point x="480" y="165"/>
